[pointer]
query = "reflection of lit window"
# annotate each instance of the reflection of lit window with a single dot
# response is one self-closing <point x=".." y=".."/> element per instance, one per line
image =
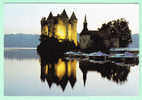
<point x="72" y="68"/>
<point x="69" y="68"/>
<point x="74" y="63"/>
<point x="46" y="69"/>
<point x="60" y="68"/>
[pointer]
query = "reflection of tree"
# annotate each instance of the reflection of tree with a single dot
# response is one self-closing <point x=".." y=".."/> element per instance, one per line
<point x="110" y="71"/>
<point x="58" y="71"/>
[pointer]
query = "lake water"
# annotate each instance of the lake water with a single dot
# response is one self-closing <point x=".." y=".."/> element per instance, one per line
<point x="25" y="74"/>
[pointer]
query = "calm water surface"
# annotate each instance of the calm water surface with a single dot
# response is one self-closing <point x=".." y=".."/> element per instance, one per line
<point x="26" y="74"/>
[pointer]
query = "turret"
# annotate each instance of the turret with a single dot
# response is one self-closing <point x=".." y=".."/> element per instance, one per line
<point x="73" y="21"/>
<point x="43" y="21"/>
<point x="85" y="24"/>
<point x="50" y="16"/>
<point x="73" y="17"/>
<point x="44" y="28"/>
<point x="64" y="18"/>
<point x="64" y="14"/>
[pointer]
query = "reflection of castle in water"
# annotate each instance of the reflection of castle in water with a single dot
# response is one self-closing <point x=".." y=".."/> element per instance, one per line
<point x="108" y="70"/>
<point x="59" y="73"/>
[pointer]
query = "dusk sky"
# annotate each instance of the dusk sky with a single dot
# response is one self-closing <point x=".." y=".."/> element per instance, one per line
<point x="25" y="18"/>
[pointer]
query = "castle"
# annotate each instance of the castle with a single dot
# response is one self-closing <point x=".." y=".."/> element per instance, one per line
<point x="61" y="26"/>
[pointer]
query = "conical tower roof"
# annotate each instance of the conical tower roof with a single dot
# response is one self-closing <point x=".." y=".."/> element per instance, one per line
<point x="73" y="17"/>
<point x="64" y="14"/>
<point x="50" y="15"/>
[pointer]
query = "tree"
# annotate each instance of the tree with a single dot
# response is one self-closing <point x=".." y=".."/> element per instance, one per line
<point x="119" y="29"/>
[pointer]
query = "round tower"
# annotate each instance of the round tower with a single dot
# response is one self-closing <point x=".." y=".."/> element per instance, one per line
<point x="73" y="21"/>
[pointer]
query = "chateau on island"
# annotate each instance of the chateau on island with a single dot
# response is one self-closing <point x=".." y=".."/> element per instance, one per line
<point x="113" y="34"/>
<point x="61" y="26"/>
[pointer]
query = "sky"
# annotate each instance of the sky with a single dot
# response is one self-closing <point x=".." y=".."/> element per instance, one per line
<point x="25" y="18"/>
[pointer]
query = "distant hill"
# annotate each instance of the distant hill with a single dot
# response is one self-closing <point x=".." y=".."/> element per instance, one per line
<point x="21" y="40"/>
<point x="31" y="40"/>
